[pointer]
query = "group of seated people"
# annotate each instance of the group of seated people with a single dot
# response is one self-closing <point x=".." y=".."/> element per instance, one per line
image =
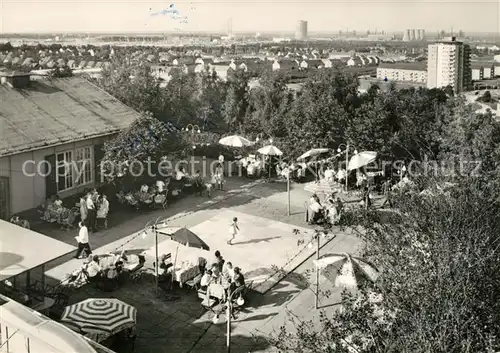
<point x="172" y="185"/>
<point x="252" y="165"/>
<point x="329" y="211"/>
<point x="53" y="211"/>
<point x="224" y="274"/>
<point x="106" y="267"/>
<point x="18" y="221"/>
<point x="295" y="171"/>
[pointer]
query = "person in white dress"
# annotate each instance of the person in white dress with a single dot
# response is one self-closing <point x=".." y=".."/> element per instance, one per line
<point x="219" y="173"/>
<point x="221" y="161"/>
<point x="160" y="185"/>
<point x="102" y="212"/>
<point x="234" y="229"/>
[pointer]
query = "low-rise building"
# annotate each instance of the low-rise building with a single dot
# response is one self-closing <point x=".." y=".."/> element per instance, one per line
<point x="49" y="127"/>
<point x="483" y="70"/>
<point x="403" y="72"/>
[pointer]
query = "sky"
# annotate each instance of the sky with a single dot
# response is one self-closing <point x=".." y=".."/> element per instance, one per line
<point x="18" y="16"/>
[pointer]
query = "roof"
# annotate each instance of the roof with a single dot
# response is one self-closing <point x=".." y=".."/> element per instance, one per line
<point x="57" y="111"/>
<point x="18" y="258"/>
<point x="49" y="334"/>
<point x="420" y="66"/>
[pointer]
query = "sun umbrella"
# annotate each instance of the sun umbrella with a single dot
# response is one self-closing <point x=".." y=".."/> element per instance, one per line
<point x="187" y="238"/>
<point x="344" y="270"/>
<point x="361" y="159"/>
<point x="312" y="153"/>
<point x="235" y="141"/>
<point x="270" y="150"/>
<point x="322" y="187"/>
<point x="102" y="317"/>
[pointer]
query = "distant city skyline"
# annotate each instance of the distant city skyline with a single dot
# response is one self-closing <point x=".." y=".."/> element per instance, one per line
<point x="28" y="16"/>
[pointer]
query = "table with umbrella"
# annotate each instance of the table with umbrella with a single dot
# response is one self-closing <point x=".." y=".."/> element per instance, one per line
<point x="361" y="160"/>
<point x="270" y="151"/>
<point x="323" y="186"/>
<point x="100" y="318"/>
<point x="313" y="153"/>
<point x="188" y="239"/>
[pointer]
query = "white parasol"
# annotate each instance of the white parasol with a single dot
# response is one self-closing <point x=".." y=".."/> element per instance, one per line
<point x="344" y="270"/>
<point x="270" y="150"/>
<point x="235" y="141"/>
<point x="322" y="187"/>
<point x="361" y="159"/>
<point x="313" y="152"/>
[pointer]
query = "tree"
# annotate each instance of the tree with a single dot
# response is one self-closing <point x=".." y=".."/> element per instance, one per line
<point x="440" y="287"/>
<point x="268" y="106"/>
<point x="147" y="139"/>
<point x="235" y="102"/>
<point x="317" y="118"/>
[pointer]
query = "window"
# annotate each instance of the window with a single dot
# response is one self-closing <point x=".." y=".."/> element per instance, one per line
<point x="64" y="169"/>
<point x="84" y="161"/>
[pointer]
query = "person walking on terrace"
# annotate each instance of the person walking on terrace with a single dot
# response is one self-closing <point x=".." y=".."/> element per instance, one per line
<point x="234" y="229"/>
<point x="83" y="241"/>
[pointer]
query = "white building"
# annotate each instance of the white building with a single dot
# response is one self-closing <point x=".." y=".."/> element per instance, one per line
<point x="449" y="65"/>
<point x="402" y="72"/>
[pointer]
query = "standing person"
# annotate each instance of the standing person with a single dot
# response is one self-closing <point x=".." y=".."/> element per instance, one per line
<point x="83" y="240"/>
<point x="387" y="193"/>
<point x="233" y="230"/>
<point x="366" y="197"/>
<point x="221" y="161"/>
<point x="91" y="212"/>
<point x="218" y="261"/>
<point x="83" y="208"/>
<point x="102" y="212"/>
<point x="219" y="174"/>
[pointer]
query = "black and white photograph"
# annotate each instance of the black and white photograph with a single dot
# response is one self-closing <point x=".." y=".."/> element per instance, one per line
<point x="234" y="176"/>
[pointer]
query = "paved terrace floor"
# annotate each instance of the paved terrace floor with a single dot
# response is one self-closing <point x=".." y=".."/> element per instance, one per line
<point x="181" y="325"/>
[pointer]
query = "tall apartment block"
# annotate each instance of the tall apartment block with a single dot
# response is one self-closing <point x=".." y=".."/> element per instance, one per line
<point x="448" y="64"/>
<point x="301" y="30"/>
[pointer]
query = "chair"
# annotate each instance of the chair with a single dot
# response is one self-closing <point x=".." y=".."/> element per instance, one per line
<point x="46" y="290"/>
<point x="194" y="283"/>
<point x="207" y="303"/>
<point x="242" y="291"/>
<point x="160" y="200"/>
<point x="56" y="311"/>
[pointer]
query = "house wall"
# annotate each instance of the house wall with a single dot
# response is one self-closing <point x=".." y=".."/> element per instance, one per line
<point x="487" y="72"/>
<point x="27" y="185"/>
<point x="477" y="74"/>
<point x="396" y="74"/>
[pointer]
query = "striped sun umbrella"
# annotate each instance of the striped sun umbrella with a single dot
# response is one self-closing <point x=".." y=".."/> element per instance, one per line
<point x="344" y="270"/>
<point x="104" y="317"/>
<point x="322" y="187"/>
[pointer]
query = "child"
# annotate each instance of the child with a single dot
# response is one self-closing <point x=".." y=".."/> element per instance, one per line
<point x="233" y="230"/>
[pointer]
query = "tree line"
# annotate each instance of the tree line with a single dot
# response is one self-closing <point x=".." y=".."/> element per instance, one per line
<point x="327" y="111"/>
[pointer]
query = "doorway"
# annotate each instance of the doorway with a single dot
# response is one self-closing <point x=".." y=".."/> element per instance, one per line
<point x="4" y="198"/>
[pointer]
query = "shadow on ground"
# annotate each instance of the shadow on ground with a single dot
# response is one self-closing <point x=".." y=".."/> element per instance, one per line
<point x="181" y="325"/>
<point x="123" y="221"/>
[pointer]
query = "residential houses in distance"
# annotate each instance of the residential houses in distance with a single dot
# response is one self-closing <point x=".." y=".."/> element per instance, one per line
<point x="46" y="123"/>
